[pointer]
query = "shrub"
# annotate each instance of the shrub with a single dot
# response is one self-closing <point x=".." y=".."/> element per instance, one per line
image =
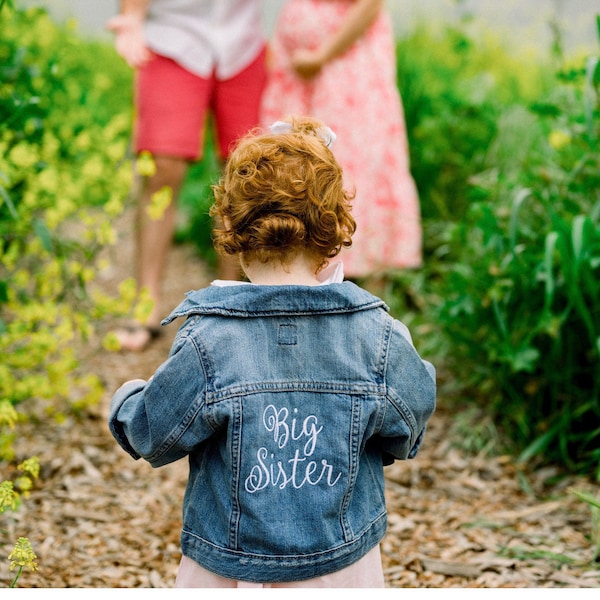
<point x="62" y="181"/>
<point x="64" y="127"/>
<point x="455" y="84"/>
<point x="521" y="291"/>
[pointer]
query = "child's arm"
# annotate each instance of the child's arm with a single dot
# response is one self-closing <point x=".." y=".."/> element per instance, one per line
<point x="162" y="420"/>
<point x="411" y="387"/>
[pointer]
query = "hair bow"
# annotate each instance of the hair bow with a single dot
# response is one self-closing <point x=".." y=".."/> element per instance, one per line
<point x="325" y="133"/>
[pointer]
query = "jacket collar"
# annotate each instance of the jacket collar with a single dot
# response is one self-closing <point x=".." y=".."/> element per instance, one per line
<point x="277" y="300"/>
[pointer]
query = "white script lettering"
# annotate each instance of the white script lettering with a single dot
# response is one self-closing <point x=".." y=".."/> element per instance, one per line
<point x="300" y="473"/>
<point x="297" y="471"/>
<point x="276" y="421"/>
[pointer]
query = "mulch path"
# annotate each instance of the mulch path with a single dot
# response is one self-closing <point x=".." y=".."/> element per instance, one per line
<point x="99" y="519"/>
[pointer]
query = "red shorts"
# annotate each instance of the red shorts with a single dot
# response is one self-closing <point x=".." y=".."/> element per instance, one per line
<point x="172" y="106"/>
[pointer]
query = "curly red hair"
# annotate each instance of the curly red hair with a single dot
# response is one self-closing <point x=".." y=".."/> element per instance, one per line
<point x="282" y="194"/>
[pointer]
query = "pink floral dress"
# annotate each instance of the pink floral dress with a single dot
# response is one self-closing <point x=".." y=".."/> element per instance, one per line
<point x="357" y="96"/>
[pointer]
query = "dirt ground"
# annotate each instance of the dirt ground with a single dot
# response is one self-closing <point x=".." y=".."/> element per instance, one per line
<point x="99" y="519"/>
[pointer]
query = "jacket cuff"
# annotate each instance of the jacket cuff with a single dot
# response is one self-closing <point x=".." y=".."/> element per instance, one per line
<point x="115" y="426"/>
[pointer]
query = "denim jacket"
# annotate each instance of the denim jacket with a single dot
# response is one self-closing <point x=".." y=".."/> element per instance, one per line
<point x="288" y="402"/>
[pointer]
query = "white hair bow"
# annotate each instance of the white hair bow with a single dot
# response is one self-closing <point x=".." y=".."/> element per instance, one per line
<point x="325" y="133"/>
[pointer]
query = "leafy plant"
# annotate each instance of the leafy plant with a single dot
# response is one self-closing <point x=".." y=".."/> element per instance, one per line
<point x="64" y="177"/>
<point x="455" y="84"/>
<point x="521" y="292"/>
<point x="22" y="557"/>
<point x="594" y="503"/>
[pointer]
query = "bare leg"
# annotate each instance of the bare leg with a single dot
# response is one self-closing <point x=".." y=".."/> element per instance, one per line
<point x="153" y="241"/>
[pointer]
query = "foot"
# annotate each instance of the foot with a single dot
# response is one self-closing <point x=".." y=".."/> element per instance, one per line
<point x="136" y="337"/>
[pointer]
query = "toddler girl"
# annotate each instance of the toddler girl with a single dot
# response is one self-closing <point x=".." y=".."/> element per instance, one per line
<point x="287" y="393"/>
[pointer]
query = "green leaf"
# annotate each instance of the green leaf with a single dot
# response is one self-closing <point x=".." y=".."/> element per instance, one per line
<point x="3" y="291"/>
<point x="538" y="445"/>
<point x="549" y="248"/>
<point x="587" y="498"/>
<point x="9" y="203"/>
<point x="520" y="197"/>
<point x="43" y="233"/>
<point x="524" y="359"/>
<point x="578" y="236"/>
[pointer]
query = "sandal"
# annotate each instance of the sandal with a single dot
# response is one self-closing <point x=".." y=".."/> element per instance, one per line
<point x="137" y="337"/>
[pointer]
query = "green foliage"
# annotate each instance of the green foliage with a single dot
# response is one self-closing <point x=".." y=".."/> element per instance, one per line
<point x="521" y="291"/>
<point x="455" y="83"/>
<point x="195" y="201"/>
<point x="594" y="503"/>
<point x="64" y="128"/>
<point x="62" y="181"/>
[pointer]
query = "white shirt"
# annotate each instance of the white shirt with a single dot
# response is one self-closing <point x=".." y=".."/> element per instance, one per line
<point x="332" y="273"/>
<point x="206" y="36"/>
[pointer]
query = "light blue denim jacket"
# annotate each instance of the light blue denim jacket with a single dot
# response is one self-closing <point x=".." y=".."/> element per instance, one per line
<point x="288" y="401"/>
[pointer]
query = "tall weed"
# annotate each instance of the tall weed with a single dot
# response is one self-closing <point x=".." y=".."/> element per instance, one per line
<point x="521" y="291"/>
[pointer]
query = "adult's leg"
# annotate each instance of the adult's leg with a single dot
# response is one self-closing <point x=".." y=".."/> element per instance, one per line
<point x="154" y="236"/>
<point x="171" y="105"/>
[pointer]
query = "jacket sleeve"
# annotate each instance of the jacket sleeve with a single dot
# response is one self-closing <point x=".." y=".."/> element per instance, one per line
<point x="163" y="419"/>
<point x="411" y="390"/>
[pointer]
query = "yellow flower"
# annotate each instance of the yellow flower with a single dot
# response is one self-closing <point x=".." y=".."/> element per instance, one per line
<point x="106" y="235"/>
<point x="8" y="414"/>
<point x="114" y="206"/>
<point x="23" y="555"/>
<point x="160" y="202"/>
<point x="93" y="168"/>
<point x="9" y="499"/>
<point x="83" y="141"/>
<point x="144" y="165"/>
<point x="31" y="466"/>
<point x="144" y="306"/>
<point x="23" y="155"/>
<point x="559" y="139"/>
<point x="49" y="180"/>
<point x="116" y="150"/>
<point x="127" y="290"/>
<point x="24" y="484"/>
<point x="111" y="342"/>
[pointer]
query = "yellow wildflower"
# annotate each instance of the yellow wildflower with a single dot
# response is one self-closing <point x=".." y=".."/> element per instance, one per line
<point x="559" y="139"/>
<point x="24" y="484"/>
<point x="23" y="555"/>
<point x="23" y="155"/>
<point x="8" y="414"/>
<point x="31" y="466"/>
<point x="144" y="165"/>
<point x="160" y="202"/>
<point x="111" y="342"/>
<point x="9" y="499"/>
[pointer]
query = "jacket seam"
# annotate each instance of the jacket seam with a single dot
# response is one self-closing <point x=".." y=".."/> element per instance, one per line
<point x="385" y="350"/>
<point x="408" y="417"/>
<point x="217" y="396"/>
<point x="353" y="443"/>
<point x="236" y="456"/>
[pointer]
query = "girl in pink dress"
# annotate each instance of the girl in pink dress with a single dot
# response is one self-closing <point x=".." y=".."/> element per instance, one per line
<point x="335" y="60"/>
